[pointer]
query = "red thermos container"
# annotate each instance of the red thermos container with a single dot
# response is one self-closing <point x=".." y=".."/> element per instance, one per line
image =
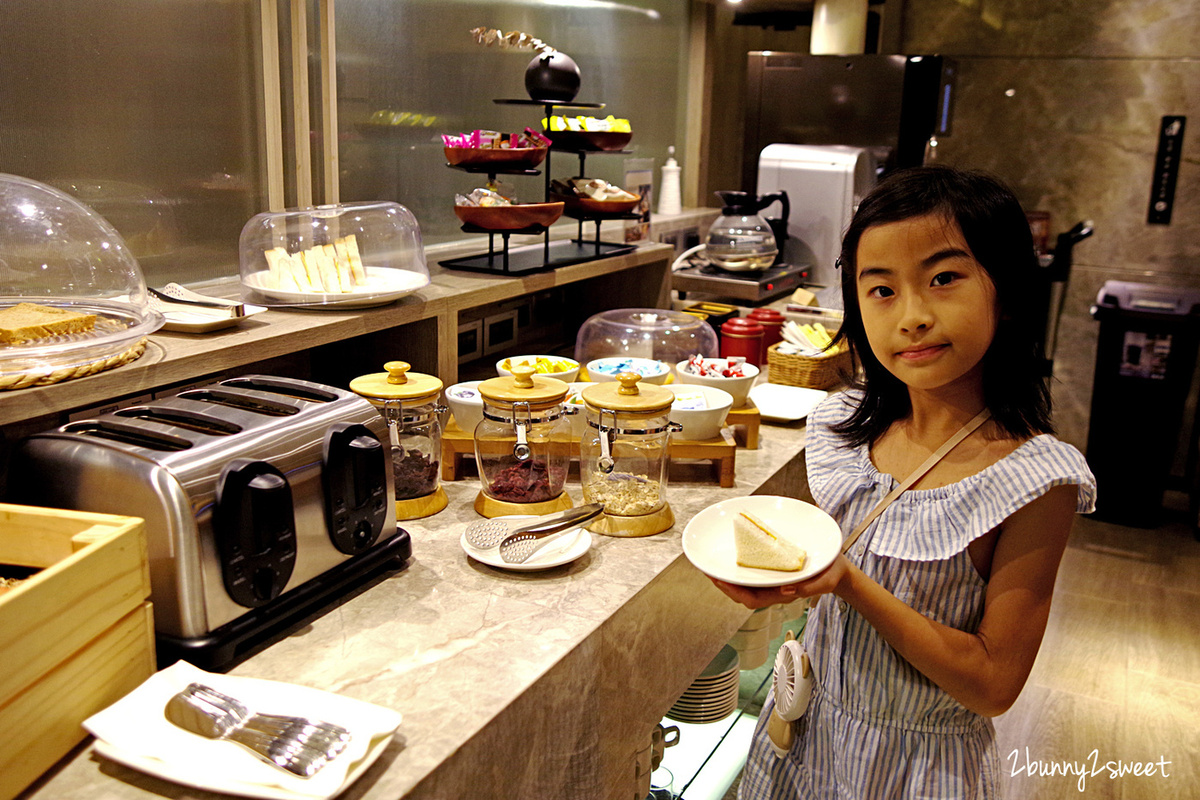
<point x="742" y="336"/>
<point x="772" y="322"/>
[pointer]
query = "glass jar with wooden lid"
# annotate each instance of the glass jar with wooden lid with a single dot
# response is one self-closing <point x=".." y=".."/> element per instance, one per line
<point x="624" y="455"/>
<point x="523" y="444"/>
<point x="408" y="402"/>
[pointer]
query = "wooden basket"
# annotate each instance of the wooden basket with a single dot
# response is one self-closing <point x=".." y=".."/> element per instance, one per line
<point x="76" y="636"/>
<point x="811" y="372"/>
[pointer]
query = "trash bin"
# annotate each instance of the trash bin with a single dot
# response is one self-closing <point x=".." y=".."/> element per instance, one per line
<point x="1144" y="364"/>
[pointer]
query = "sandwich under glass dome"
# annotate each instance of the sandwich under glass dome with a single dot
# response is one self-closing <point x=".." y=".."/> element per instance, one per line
<point x="347" y="255"/>
<point x="73" y="300"/>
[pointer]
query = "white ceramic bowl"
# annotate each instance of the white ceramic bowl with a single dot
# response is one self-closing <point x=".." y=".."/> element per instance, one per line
<point x="466" y="403"/>
<point x="566" y="375"/>
<point x="739" y="388"/>
<point x="606" y="369"/>
<point x="702" y="423"/>
<point x="578" y="419"/>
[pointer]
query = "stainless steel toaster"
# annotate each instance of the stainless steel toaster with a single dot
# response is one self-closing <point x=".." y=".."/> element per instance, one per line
<point x="266" y="500"/>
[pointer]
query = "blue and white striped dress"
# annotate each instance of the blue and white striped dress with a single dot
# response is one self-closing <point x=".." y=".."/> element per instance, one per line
<point x="876" y="728"/>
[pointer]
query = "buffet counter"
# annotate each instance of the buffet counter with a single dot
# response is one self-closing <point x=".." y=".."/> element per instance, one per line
<point x="531" y="684"/>
<point x="526" y="683"/>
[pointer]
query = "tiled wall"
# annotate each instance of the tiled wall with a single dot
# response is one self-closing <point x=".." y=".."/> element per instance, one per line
<point x="1064" y="102"/>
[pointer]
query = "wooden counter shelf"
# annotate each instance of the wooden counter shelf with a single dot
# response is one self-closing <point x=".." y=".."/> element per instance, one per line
<point x="426" y="320"/>
<point x="535" y="642"/>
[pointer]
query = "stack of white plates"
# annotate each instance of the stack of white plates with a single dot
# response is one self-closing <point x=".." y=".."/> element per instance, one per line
<point x="714" y="694"/>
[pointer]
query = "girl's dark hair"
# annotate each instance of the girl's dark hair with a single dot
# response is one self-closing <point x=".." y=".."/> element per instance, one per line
<point x="997" y="231"/>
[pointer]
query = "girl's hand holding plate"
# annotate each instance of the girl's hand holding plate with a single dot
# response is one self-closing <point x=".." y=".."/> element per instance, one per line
<point x="828" y="581"/>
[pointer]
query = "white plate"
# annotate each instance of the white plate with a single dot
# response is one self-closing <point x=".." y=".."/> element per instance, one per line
<point x="201" y="322"/>
<point x="383" y="286"/>
<point x="779" y="403"/>
<point x="695" y="704"/>
<point x="135" y="732"/>
<point x="198" y="776"/>
<point x="708" y="539"/>
<point x="553" y="558"/>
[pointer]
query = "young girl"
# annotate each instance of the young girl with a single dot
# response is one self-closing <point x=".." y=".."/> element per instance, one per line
<point x="929" y="625"/>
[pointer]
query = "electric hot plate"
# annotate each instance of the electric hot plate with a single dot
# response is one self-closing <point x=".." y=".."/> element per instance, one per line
<point x="775" y="282"/>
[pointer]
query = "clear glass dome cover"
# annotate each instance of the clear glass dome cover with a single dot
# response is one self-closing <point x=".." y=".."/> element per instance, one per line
<point x="350" y="255"/>
<point x="660" y="334"/>
<point x="57" y="252"/>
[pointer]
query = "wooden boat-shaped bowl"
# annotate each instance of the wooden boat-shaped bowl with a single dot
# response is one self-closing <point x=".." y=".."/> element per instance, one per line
<point x="510" y="218"/>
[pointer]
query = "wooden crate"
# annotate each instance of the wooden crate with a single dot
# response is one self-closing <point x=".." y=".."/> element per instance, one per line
<point x="76" y="636"/>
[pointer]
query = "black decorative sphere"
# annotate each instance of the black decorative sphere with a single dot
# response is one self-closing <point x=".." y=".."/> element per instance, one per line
<point x="552" y="76"/>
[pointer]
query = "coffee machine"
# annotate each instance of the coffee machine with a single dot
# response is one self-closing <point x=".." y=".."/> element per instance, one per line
<point x="824" y="129"/>
<point x="827" y="182"/>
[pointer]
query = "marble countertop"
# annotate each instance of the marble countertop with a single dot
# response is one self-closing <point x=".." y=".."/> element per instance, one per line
<point x="527" y="683"/>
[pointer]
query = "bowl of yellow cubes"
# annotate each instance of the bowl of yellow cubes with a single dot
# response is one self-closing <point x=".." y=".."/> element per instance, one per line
<point x="560" y="367"/>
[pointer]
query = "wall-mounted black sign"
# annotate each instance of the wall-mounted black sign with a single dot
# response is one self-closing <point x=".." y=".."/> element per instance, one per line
<point x="1166" y="170"/>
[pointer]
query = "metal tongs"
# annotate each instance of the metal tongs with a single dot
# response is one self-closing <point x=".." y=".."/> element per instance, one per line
<point x="489" y="533"/>
<point x="175" y="293"/>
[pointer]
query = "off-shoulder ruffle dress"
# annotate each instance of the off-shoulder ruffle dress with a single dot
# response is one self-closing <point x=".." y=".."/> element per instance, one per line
<point x="876" y="727"/>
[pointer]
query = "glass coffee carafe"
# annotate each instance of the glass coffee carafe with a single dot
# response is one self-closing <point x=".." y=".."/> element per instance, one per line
<point x="740" y="240"/>
<point x="408" y="402"/>
<point x="624" y="455"/>
<point x="523" y="445"/>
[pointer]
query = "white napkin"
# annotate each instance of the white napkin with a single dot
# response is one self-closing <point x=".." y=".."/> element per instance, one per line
<point x="135" y="731"/>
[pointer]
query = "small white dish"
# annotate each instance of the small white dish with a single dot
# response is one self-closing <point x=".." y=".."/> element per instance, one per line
<point x="466" y="404"/>
<point x="384" y="285"/>
<point x="701" y="421"/>
<point x="739" y="388"/>
<point x="574" y="401"/>
<point x="607" y="369"/>
<point x="203" y="320"/>
<point x="135" y="732"/>
<point x="779" y="403"/>
<point x="709" y="544"/>
<point x="566" y="375"/>
<point x="556" y="553"/>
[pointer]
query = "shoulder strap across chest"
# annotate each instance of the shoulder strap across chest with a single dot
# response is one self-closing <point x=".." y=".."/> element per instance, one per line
<point x="917" y="474"/>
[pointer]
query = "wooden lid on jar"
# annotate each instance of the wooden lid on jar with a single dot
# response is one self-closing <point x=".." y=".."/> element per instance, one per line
<point x="524" y="386"/>
<point x="397" y="384"/>
<point x="625" y="394"/>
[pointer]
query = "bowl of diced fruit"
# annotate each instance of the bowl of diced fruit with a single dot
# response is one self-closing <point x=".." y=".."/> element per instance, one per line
<point x="564" y="369"/>
<point x="733" y="375"/>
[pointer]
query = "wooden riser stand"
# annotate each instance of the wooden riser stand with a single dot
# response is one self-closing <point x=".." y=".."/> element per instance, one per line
<point x="458" y="445"/>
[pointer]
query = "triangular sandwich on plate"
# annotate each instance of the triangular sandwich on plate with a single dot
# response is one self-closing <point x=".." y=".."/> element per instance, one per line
<point x="761" y="548"/>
